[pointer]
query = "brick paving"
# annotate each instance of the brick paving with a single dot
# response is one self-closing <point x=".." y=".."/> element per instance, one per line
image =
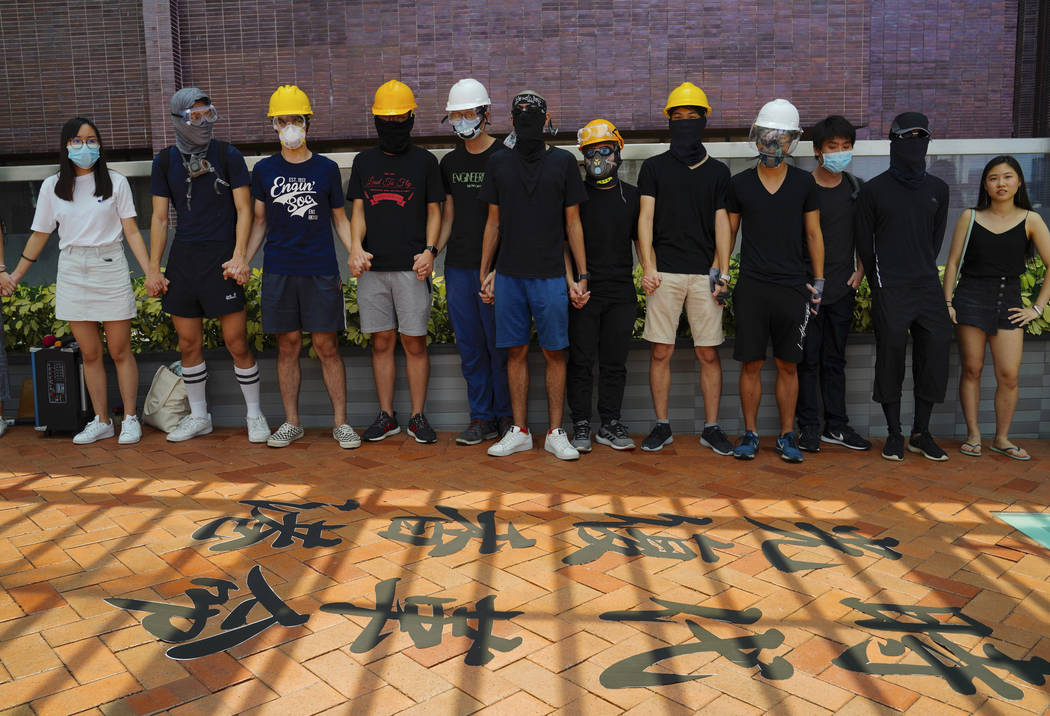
<point x="703" y="584"/>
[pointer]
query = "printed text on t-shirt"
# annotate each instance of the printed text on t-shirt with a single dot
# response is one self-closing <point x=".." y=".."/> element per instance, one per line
<point x="296" y="194"/>
<point x="388" y="187"/>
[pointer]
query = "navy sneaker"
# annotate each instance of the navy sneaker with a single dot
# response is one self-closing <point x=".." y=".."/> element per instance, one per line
<point x="894" y="447"/>
<point x="787" y="448"/>
<point x="382" y="427"/>
<point x="658" y="437"/>
<point x="714" y="438"/>
<point x="809" y="439"/>
<point x="747" y="448"/>
<point x="421" y="430"/>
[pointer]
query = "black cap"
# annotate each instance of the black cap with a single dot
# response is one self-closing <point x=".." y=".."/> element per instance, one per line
<point x="909" y="120"/>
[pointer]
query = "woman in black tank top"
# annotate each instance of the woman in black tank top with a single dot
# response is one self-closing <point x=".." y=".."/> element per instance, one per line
<point x="993" y="242"/>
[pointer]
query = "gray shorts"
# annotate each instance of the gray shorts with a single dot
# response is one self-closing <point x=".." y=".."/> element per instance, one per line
<point x="394" y="299"/>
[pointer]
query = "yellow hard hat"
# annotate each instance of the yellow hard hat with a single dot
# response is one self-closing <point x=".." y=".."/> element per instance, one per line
<point x="289" y="99"/>
<point x="686" y="95"/>
<point x="392" y="98"/>
<point x="597" y="131"/>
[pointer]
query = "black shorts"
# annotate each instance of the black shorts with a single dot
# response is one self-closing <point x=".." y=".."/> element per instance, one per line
<point x="985" y="301"/>
<point x="766" y="310"/>
<point x="196" y="287"/>
<point x="313" y="304"/>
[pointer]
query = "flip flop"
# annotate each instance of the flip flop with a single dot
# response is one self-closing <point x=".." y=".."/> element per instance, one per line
<point x="971" y="449"/>
<point x="1011" y="452"/>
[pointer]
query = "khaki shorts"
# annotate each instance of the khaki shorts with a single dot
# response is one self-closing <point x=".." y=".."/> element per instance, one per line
<point x="664" y="309"/>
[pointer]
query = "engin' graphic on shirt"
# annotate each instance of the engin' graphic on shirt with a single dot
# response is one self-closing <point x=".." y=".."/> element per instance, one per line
<point x="295" y="194"/>
<point x="388" y="186"/>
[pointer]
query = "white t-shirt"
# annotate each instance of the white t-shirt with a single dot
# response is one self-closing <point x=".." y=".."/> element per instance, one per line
<point x="88" y="220"/>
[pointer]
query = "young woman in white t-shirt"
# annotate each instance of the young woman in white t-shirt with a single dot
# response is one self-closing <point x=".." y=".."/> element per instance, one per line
<point x="93" y="210"/>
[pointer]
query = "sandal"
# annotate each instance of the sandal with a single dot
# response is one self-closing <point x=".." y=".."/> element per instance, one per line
<point x="1013" y="452"/>
<point x="971" y="449"/>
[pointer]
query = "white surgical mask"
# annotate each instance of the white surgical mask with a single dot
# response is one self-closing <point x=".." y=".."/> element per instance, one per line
<point x="292" y="136"/>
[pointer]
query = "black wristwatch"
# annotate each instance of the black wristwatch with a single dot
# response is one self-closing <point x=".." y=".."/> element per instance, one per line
<point x="582" y="277"/>
<point x="431" y="249"/>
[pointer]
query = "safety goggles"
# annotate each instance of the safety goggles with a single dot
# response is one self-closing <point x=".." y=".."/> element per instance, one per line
<point x="458" y="115"/>
<point x="283" y="121"/>
<point x="598" y="133"/>
<point x="77" y="143"/>
<point x="921" y="132"/>
<point x="604" y="151"/>
<point x="197" y="116"/>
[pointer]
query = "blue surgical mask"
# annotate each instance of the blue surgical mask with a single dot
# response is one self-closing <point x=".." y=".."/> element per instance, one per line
<point x="83" y="156"/>
<point x="836" y="162"/>
<point x="467" y="128"/>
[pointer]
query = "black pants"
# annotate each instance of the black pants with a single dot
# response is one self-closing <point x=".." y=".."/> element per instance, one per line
<point x="600" y="330"/>
<point x="824" y="362"/>
<point x="920" y="311"/>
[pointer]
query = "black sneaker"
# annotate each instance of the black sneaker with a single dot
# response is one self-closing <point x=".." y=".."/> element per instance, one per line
<point x="581" y="436"/>
<point x="421" y="430"/>
<point x="615" y="435"/>
<point x="923" y="443"/>
<point x="809" y="439"/>
<point x="660" y="436"/>
<point x="477" y="431"/>
<point x="503" y="424"/>
<point x="847" y="437"/>
<point x="714" y="438"/>
<point x="382" y="427"/>
<point x="894" y="447"/>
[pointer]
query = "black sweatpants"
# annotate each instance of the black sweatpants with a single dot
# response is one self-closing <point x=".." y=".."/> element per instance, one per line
<point x="824" y="363"/>
<point x="600" y="330"/>
<point x="920" y="311"/>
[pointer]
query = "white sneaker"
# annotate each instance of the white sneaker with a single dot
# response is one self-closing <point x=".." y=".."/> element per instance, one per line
<point x="95" y="430"/>
<point x="558" y="445"/>
<point x="346" y="437"/>
<point x="285" y="435"/>
<point x="190" y="427"/>
<point x="258" y="429"/>
<point x="130" y="430"/>
<point x="514" y="440"/>
<point x="3" y="426"/>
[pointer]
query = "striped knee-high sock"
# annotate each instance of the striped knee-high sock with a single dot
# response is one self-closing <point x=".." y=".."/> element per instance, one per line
<point x="196" y="379"/>
<point x="249" y="380"/>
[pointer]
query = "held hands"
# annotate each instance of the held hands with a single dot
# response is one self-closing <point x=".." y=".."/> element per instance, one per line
<point x="1018" y="316"/>
<point x="423" y="265"/>
<point x="156" y="284"/>
<point x="719" y="285"/>
<point x="578" y="293"/>
<point x="7" y="284"/>
<point x="817" y="289"/>
<point x="488" y="288"/>
<point x="359" y="262"/>
<point x="951" y="314"/>
<point x="238" y="269"/>
<point x="650" y="282"/>
<point x="854" y="280"/>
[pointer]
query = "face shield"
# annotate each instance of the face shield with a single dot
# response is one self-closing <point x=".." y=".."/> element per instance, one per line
<point x="773" y="145"/>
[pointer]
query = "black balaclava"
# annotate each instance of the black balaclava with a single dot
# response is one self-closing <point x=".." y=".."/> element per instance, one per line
<point x="529" y="115"/>
<point x="687" y="139"/>
<point x="395" y="137"/>
<point x="908" y="154"/>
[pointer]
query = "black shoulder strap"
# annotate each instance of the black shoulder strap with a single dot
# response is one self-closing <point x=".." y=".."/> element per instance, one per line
<point x="855" y="183"/>
<point x="224" y="158"/>
<point x="165" y="165"/>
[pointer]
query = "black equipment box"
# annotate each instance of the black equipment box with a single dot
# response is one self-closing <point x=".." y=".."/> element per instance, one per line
<point x="60" y="397"/>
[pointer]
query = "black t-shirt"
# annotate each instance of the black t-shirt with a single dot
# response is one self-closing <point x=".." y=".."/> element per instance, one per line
<point x="836" y="224"/>
<point x="774" y="233"/>
<point x="684" y="215"/>
<point x="532" y="226"/>
<point x="462" y="173"/>
<point x="396" y="190"/>
<point x="610" y="226"/>
<point x="899" y="231"/>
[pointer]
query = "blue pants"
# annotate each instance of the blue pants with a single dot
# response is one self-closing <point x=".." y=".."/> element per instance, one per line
<point x="484" y="365"/>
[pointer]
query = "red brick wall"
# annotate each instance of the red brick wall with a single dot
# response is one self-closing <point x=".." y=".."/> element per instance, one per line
<point x="618" y="59"/>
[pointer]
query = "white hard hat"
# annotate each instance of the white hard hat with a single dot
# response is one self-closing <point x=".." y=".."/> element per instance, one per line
<point x="778" y="114"/>
<point x="467" y="94"/>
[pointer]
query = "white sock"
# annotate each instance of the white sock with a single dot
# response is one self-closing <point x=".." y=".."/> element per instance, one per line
<point x="249" y="380"/>
<point x="196" y="379"/>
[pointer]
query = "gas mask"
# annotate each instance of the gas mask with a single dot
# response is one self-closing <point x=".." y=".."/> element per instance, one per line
<point x="601" y="164"/>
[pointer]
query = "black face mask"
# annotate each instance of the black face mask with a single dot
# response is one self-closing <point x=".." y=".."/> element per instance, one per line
<point x="908" y="160"/>
<point x="686" y="140"/>
<point x="394" y="137"/>
<point x="528" y="128"/>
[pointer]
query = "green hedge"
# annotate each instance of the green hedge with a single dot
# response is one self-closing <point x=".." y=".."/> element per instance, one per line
<point x="30" y="314"/>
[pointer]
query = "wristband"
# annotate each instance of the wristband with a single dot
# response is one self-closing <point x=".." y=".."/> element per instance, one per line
<point x="32" y="261"/>
<point x="582" y="277"/>
<point x="724" y="277"/>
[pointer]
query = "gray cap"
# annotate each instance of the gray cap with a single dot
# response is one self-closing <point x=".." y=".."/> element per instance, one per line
<point x="185" y="98"/>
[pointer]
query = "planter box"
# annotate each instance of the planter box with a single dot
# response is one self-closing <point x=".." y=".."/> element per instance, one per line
<point x="447" y="404"/>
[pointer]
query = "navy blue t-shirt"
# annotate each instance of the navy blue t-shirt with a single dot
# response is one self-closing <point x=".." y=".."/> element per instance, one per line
<point x="299" y="199"/>
<point x="211" y="215"/>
